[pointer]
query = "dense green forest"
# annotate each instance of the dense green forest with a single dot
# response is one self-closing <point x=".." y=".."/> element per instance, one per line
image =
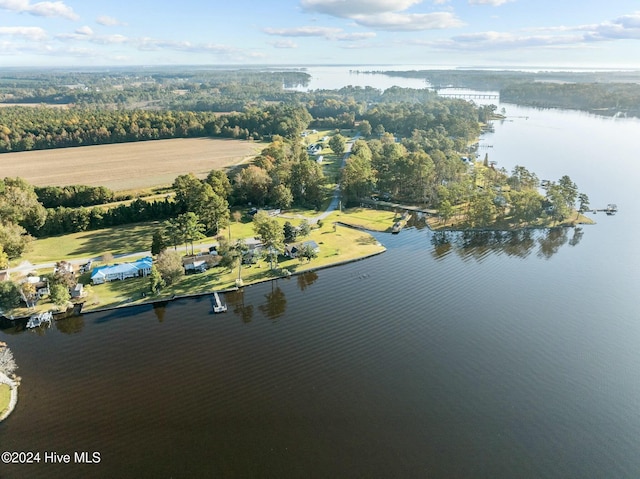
<point x="603" y="98"/>
<point x="605" y="92"/>
<point x="411" y="148"/>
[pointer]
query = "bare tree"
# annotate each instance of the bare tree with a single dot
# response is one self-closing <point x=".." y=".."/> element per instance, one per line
<point x="7" y="363"/>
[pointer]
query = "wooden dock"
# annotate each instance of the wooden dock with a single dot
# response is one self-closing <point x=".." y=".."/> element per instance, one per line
<point x="216" y="304"/>
<point x="611" y="209"/>
<point x="38" y="320"/>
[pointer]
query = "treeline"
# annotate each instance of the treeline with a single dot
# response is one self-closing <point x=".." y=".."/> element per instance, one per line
<point x="23" y="129"/>
<point x="74" y="195"/>
<point x="63" y="220"/>
<point x="499" y="79"/>
<point x="23" y="216"/>
<point x="124" y="87"/>
<point x="613" y="97"/>
<point x="281" y="176"/>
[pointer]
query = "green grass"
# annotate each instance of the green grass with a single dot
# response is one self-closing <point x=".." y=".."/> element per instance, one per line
<point x="5" y="397"/>
<point x="116" y="240"/>
<point x="371" y="219"/>
<point x="343" y="244"/>
<point x="124" y="239"/>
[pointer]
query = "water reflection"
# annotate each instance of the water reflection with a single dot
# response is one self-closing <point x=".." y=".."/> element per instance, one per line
<point x="159" y="310"/>
<point x="306" y="279"/>
<point x="71" y="325"/>
<point x="276" y="303"/>
<point x="521" y="243"/>
<point x="552" y="242"/>
<point x="235" y="299"/>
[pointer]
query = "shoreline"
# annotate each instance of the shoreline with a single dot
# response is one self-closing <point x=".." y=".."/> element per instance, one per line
<point x="228" y="290"/>
<point x="13" y="400"/>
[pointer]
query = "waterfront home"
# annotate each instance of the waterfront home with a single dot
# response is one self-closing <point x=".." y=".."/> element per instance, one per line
<point x="103" y="274"/>
<point x="41" y="285"/>
<point x="200" y="262"/>
<point x="292" y="250"/>
<point x="78" y="291"/>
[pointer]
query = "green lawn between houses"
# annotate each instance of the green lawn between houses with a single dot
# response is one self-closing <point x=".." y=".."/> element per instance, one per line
<point x="336" y="246"/>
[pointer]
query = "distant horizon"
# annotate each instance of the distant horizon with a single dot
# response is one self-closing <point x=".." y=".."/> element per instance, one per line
<point x="302" y="66"/>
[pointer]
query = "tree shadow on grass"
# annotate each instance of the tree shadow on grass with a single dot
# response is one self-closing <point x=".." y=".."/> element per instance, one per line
<point x="117" y="240"/>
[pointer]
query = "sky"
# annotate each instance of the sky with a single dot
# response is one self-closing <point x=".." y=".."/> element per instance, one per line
<point x="463" y="33"/>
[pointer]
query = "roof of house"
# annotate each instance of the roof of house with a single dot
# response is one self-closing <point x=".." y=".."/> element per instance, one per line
<point x="298" y="246"/>
<point x="142" y="263"/>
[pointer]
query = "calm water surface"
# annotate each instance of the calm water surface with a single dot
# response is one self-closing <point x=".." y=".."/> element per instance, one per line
<point x="492" y="356"/>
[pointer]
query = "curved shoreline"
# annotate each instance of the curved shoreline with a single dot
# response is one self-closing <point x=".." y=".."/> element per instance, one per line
<point x="13" y="385"/>
<point x="228" y="290"/>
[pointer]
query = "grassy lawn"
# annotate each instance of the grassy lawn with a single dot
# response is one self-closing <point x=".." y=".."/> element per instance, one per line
<point x="123" y="239"/>
<point x="371" y="219"/>
<point x="5" y="397"/>
<point x="343" y="244"/>
<point x="115" y="240"/>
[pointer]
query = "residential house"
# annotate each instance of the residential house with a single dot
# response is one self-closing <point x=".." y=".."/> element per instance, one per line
<point x="200" y="262"/>
<point x="314" y="149"/>
<point x="103" y="274"/>
<point x="254" y="252"/>
<point x="64" y="267"/>
<point x="78" y="291"/>
<point x="292" y="250"/>
<point x="41" y="285"/>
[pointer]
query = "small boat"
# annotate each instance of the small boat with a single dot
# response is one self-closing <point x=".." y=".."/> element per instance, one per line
<point x="38" y="320"/>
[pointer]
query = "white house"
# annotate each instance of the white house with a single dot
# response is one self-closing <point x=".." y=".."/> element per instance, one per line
<point x="104" y="274"/>
<point x="292" y="250"/>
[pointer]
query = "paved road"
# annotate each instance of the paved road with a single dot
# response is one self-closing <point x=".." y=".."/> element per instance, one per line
<point x="26" y="266"/>
<point x="335" y="201"/>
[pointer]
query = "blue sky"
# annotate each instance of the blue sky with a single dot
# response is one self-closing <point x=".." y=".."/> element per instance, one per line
<point x="558" y="33"/>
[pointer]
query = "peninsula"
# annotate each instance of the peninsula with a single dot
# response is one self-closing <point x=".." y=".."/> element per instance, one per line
<point x="197" y="196"/>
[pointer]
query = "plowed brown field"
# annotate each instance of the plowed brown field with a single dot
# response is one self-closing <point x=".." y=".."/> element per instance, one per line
<point x="126" y="166"/>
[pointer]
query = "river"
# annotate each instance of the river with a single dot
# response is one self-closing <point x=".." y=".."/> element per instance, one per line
<point x="493" y="355"/>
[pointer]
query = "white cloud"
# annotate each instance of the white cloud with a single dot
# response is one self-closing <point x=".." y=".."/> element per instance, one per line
<point x="348" y="8"/>
<point x="110" y="39"/>
<point x="84" y="31"/>
<point x="504" y="41"/>
<point x="495" y="3"/>
<point x="384" y="14"/>
<point x="624" y="27"/>
<point x="29" y="33"/>
<point x="109" y="21"/>
<point x="409" y="22"/>
<point x="41" y="9"/>
<point x="284" y="44"/>
<point x="307" y="31"/>
<point x="350" y="37"/>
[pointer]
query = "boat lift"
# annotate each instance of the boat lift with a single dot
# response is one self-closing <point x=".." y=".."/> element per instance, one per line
<point x="38" y="320"/>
